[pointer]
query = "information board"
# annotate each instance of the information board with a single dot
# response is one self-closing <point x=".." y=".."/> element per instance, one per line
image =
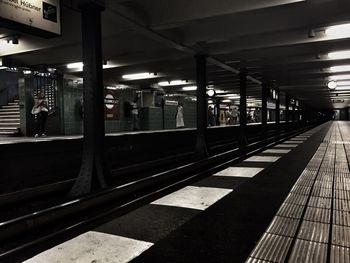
<point x="37" y="14"/>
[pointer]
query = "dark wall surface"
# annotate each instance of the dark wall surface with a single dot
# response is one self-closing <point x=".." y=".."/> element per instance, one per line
<point x="30" y="164"/>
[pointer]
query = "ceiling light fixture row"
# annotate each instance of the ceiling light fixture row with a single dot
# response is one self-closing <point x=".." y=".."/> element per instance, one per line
<point x="332" y="32"/>
<point x="14" y="39"/>
<point x="341" y="85"/>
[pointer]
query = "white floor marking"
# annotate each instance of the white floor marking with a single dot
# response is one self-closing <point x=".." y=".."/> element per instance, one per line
<point x="193" y="197"/>
<point x="286" y="145"/>
<point x="268" y="159"/>
<point x="293" y="141"/>
<point x="93" y="247"/>
<point x="239" y="172"/>
<point x="277" y="151"/>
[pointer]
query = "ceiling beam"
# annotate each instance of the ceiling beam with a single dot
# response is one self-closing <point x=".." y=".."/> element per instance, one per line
<point x="142" y="29"/>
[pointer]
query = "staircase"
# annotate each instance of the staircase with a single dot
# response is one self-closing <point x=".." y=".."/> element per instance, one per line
<point x="9" y="119"/>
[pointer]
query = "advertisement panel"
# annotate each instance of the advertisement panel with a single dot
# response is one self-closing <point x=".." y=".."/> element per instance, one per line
<point x="37" y="14"/>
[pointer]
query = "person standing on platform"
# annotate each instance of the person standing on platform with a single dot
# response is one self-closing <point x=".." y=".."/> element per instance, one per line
<point x="40" y="109"/>
<point x="210" y="116"/>
<point x="234" y="115"/>
<point x="179" y="116"/>
<point x="135" y="114"/>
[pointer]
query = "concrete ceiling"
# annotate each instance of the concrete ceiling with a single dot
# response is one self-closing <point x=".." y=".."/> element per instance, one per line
<point x="270" y="38"/>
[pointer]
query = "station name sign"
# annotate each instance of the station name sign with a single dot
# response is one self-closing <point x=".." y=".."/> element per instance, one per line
<point x="32" y="15"/>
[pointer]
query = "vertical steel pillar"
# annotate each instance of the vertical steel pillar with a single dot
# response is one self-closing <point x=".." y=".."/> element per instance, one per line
<point x="264" y="96"/>
<point x="217" y="105"/>
<point x="201" y="148"/>
<point x="293" y="112"/>
<point x="243" y="107"/>
<point x="303" y="114"/>
<point x="287" y="108"/>
<point x="93" y="172"/>
<point x="278" y="110"/>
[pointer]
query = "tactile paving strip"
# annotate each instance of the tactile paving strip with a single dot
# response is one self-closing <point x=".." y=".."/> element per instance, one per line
<point x="272" y="248"/>
<point x="320" y="202"/>
<point x="283" y="226"/>
<point x="342" y="205"/>
<point x="314" y="189"/>
<point x="318" y="215"/>
<point x="341" y="194"/>
<point x="314" y="231"/>
<point x="322" y="192"/>
<point x="306" y="251"/>
<point x="296" y="199"/>
<point x="338" y="185"/>
<point x="305" y="182"/>
<point x="323" y="184"/>
<point x="301" y="190"/>
<point x="341" y="236"/>
<point x="341" y="218"/>
<point x="290" y="211"/>
<point x="254" y="260"/>
<point x="340" y="255"/>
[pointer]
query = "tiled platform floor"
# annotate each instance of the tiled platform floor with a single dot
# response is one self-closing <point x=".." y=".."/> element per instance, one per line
<point x="313" y="223"/>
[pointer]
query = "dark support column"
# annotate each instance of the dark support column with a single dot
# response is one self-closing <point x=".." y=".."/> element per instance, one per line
<point x="217" y="105"/>
<point x="307" y="115"/>
<point x="93" y="171"/>
<point x="346" y="114"/>
<point x="293" y="112"/>
<point x="264" y="96"/>
<point x="287" y="108"/>
<point x="278" y="110"/>
<point x="243" y="107"/>
<point x="201" y="148"/>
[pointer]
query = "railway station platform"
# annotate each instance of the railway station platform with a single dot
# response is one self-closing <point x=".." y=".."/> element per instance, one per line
<point x="288" y="203"/>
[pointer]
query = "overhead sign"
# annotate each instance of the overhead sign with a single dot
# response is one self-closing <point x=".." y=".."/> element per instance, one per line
<point x="33" y="14"/>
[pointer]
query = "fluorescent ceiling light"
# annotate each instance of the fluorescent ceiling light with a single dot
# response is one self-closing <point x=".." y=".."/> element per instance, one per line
<point x="234" y="97"/>
<point x="340" y="77"/>
<point x="343" y="88"/>
<point x="343" y="83"/>
<point x="332" y="84"/>
<point x="338" y="31"/>
<point x="78" y="66"/>
<point x="26" y="72"/>
<point x="144" y="75"/>
<point x="217" y="91"/>
<point x="3" y="67"/>
<point x="339" y="54"/>
<point x="226" y="101"/>
<point x="230" y="95"/>
<point x="340" y="68"/>
<point x="75" y="65"/>
<point x="172" y="83"/>
<point x="189" y="88"/>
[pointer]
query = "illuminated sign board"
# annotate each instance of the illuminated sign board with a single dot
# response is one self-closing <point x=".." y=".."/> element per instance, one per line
<point x="32" y="15"/>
